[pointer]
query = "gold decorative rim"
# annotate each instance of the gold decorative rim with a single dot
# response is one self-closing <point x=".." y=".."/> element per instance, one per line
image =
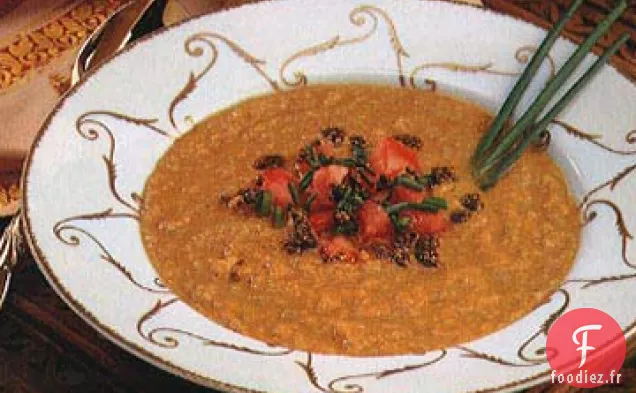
<point x="108" y="332"/>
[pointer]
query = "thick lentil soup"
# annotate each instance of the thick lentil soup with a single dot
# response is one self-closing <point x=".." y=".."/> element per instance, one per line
<point x="417" y="258"/>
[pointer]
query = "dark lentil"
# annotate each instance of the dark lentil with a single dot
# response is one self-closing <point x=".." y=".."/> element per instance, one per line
<point x="459" y="216"/>
<point x="249" y="195"/>
<point x="235" y="275"/>
<point x="358" y="140"/>
<point x="472" y="202"/>
<point x="401" y="256"/>
<point x="412" y="141"/>
<point x="441" y="175"/>
<point x="301" y="237"/>
<point x="380" y="251"/>
<point x="269" y="161"/>
<point x="334" y="134"/>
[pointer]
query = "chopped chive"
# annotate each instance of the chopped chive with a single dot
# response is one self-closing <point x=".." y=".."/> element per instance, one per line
<point x="264" y="203"/>
<point x="358" y="199"/>
<point x="436" y="201"/>
<point x="348" y="162"/>
<point x="309" y="201"/>
<point x="403" y="222"/>
<point x="310" y="156"/>
<point x="279" y="217"/>
<point x="424" y="207"/>
<point x="293" y="191"/>
<point x="426" y="180"/>
<point x="324" y="160"/>
<point x="400" y="223"/>
<point x="395" y="209"/>
<point x="365" y="178"/>
<point x="311" y="152"/>
<point x="431" y="204"/>
<point x="306" y="180"/>
<point x="368" y="169"/>
<point x="345" y="198"/>
<point x="409" y="183"/>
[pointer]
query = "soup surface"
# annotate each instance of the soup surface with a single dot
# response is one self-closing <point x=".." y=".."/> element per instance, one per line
<point x="498" y="266"/>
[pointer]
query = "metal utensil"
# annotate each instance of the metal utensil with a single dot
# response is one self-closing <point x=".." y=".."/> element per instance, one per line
<point x="11" y="248"/>
<point x="126" y="25"/>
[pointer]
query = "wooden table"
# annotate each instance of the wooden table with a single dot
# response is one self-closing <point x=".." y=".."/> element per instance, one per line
<point x="46" y="348"/>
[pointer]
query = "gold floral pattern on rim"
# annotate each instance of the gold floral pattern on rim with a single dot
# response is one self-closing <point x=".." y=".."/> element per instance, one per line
<point x="357" y="17"/>
<point x="522" y="55"/>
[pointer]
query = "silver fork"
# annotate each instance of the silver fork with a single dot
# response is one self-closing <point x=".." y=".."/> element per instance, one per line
<point x="11" y="247"/>
<point x="126" y="25"/>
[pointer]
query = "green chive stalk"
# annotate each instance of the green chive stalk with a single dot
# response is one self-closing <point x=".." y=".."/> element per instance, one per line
<point x="542" y="124"/>
<point x="524" y="81"/>
<point x="540" y="103"/>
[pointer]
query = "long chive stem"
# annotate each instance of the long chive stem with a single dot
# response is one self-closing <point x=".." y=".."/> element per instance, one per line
<point x="556" y="110"/>
<point x="544" y="98"/>
<point x="580" y="84"/>
<point x="524" y="81"/>
<point x="409" y="183"/>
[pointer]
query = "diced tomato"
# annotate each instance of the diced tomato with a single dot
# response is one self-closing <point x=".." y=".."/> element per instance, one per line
<point x="323" y="182"/>
<point x="403" y="194"/>
<point x="427" y="223"/>
<point x="326" y="147"/>
<point x="392" y="158"/>
<point x="301" y="167"/>
<point x="339" y="249"/>
<point x="321" y="221"/>
<point x="374" y="222"/>
<point x="276" y="181"/>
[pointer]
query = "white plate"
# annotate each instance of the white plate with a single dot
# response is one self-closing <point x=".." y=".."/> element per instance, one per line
<point x="94" y="153"/>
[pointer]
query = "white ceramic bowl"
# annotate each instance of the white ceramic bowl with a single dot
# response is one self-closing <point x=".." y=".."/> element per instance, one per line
<point x="90" y="161"/>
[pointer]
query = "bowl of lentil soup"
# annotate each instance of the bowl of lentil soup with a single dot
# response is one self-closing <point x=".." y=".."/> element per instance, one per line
<point x="264" y="212"/>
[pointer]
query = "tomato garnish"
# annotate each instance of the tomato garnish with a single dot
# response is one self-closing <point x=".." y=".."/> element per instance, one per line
<point x="321" y="221"/>
<point x="427" y="223"/>
<point x="276" y="181"/>
<point x="391" y="158"/>
<point x="323" y="182"/>
<point x="371" y="200"/>
<point x="374" y="222"/>
<point x="339" y="249"/>
<point x="325" y="147"/>
<point x="403" y="194"/>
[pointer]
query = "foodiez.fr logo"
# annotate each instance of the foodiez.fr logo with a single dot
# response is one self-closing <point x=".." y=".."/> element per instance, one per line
<point x="586" y="348"/>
